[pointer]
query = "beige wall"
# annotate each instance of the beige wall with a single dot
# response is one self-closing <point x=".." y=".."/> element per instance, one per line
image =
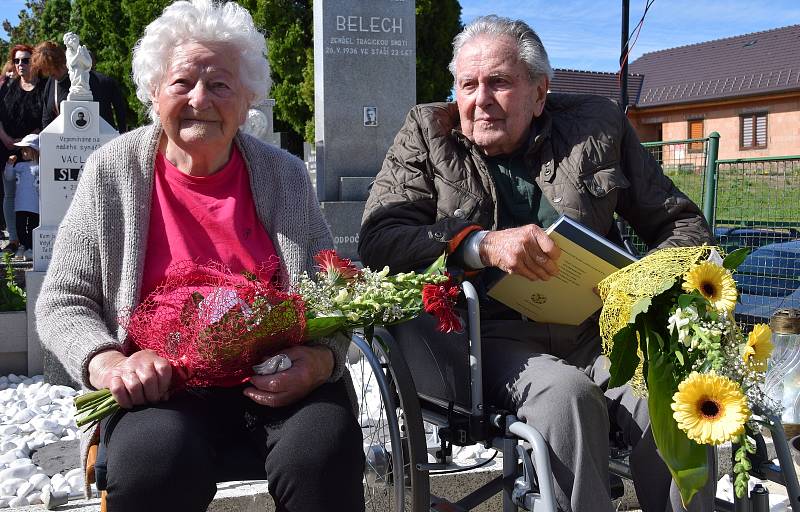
<point x="783" y="126"/>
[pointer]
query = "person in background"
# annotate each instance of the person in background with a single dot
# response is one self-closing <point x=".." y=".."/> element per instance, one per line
<point x="191" y="186"/>
<point x="50" y="59"/>
<point x="25" y="172"/>
<point x="8" y="72"/>
<point x="21" y="103"/>
<point x="481" y="179"/>
<point x="109" y="94"/>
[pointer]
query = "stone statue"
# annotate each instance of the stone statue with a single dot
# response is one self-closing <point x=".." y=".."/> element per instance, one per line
<point x="79" y="63"/>
<point x="257" y="125"/>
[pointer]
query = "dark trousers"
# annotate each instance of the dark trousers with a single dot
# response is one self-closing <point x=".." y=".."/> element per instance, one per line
<point x="26" y="221"/>
<point x="170" y="455"/>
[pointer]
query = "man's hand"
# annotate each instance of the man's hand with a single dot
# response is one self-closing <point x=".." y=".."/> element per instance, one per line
<point x="143" y="377"/>
<point x="311" y="367"/>
<point x="526" y="250"/>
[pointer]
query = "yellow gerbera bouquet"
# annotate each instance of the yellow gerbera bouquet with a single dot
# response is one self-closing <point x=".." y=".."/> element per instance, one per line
<point x="668" y="327"/>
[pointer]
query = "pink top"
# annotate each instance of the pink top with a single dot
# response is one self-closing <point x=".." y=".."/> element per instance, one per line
<point x="205" y="218"/>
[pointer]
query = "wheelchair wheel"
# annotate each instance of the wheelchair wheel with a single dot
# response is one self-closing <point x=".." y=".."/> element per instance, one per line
<point x="391" y="424"/>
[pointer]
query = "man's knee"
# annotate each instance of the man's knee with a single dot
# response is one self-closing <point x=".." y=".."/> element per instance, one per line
<point x="569" y="396"/>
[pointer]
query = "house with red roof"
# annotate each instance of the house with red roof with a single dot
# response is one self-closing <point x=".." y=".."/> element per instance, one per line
<point x="746" y="88"/>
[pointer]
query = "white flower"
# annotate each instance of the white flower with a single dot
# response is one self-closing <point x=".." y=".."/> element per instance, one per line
<point x="715" y="258"/>
<point x="681" y="321"/>
<point x="342" y="296"/>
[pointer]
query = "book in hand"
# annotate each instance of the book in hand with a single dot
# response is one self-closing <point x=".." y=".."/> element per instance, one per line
<point x="568" y="298"/>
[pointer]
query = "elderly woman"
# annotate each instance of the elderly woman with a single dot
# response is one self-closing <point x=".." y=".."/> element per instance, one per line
<point x="191" y="186"/>
<point x="21" y="100"/>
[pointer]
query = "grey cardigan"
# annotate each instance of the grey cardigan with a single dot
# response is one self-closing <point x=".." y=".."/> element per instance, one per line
<point x="96" y="270"/>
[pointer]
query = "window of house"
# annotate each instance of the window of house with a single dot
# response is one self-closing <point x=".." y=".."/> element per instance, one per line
<point x="695" y="132"/>
<point x="753" y="131"/>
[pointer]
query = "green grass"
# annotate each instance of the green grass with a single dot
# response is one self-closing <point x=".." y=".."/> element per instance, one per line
<point x="748" y="197"/>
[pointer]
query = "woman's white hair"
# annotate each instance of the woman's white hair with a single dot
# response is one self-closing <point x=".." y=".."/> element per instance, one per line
<point x="204" y="22"/>
<point x="529" y="47"/>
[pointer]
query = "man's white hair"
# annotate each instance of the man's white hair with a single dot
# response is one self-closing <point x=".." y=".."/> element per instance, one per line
<point x="529" y="47"/>
<point x="204" y="22"/>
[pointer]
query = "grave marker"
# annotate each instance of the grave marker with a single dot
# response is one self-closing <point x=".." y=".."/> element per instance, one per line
<point x="364" y="85"/>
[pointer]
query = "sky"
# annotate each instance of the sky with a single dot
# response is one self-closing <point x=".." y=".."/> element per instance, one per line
<point x="585" y="34"/>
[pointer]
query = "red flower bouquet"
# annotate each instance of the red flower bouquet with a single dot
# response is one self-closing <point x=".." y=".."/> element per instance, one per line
<point x="214" y="326"/>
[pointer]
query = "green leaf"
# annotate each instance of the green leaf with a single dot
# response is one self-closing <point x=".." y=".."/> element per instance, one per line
<point x="685" y="459"/>
<point x="369" y="332"/>
<point x="734" y="259"/>
<point x="322" y="327"/>
<point x="624" y="358"/>
<point x="685" y="300"/>
<point x="679" y="357"/>
<point x="437" y="266"/>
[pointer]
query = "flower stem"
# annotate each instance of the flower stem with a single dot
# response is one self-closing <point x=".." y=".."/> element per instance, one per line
<point x="94" y="407"/>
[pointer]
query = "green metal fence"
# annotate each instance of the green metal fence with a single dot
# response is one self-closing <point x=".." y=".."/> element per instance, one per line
<point x="757" y="205"/>
<point x="750" y="202"/>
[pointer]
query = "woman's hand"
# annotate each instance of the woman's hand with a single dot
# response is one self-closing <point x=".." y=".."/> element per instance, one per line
<point x="143" y="377"/>
<point x="311" y="366"/>
<point x="7" y="141"/>
<point x="526" y="250"/>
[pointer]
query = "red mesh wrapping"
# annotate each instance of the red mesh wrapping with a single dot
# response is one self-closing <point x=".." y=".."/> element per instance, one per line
<point x="213" y="325"/>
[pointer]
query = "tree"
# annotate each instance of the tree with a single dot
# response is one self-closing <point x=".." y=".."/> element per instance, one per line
<point x="27" y="30"/>
<point x="138" y="14"/>
<point x="289" y="28"/>
<point x="288" y="25"/>
<point x="54" y="22"/>
<point x="438" y="22"/>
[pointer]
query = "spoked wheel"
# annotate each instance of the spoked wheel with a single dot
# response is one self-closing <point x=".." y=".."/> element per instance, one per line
<point x="391" y="424"/>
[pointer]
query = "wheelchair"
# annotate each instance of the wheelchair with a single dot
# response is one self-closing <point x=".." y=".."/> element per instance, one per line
<point x="416" y="406"/>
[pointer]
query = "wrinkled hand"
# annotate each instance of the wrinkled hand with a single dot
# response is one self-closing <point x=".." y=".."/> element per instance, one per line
<point x="526" y="250"/>
<point x="311" y="367"/>
<point x="143" y="377"/>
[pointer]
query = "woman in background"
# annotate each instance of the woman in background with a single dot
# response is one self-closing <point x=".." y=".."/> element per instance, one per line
<point x="21" y="103"/>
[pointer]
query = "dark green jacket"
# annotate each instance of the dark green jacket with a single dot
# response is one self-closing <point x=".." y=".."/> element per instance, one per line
<point x="584" y="155"/>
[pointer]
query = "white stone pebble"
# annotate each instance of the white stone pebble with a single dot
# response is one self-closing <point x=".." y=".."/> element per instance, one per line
<point x="18" y="502"/>
<point x="33" y="413"/>
<point x="39" y="481"/>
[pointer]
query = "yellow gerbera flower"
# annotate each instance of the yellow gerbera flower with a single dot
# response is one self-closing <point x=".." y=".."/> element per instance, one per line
<point x="714" y="283"/>
<point x="710" y="408"/>
<point x="759" y="347"/>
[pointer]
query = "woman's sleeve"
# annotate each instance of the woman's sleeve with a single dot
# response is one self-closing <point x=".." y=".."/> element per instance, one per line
<point x="320" y="239"/>
<point x="69" y="311"/>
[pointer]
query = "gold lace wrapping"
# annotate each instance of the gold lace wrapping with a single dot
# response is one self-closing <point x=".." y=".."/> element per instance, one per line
<point x="630" y="289"/>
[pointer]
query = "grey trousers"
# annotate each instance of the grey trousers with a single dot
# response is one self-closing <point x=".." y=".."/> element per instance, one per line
<point x="554" y="378"/>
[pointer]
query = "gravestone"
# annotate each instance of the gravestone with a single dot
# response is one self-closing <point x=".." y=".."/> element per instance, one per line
<point x="364" y="85"/>
<point x="64" y="146"/>
<point x="310" y="159"/>
<point x="260" y="124"/>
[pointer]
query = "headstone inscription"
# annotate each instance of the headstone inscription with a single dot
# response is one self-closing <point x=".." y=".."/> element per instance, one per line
<point x="364" y="85"/>
<point x="65" y="144"/>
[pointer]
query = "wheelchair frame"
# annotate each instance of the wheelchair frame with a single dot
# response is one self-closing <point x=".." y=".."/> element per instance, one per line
<point x="526" y="479"/>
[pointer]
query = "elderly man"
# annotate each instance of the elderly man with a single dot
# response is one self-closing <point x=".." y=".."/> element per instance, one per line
<point x="481" y="179"/>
